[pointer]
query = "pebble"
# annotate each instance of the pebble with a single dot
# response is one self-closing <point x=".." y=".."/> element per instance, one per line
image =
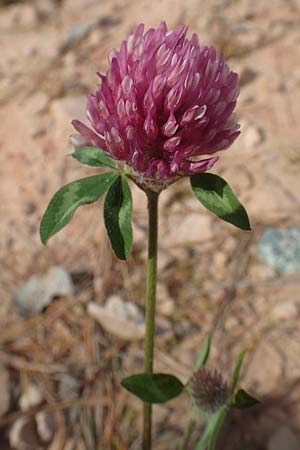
<point x="163" y="261"/>
<point x="190" y="228"/>
<point x="119" y="317"/>
<point x="280" y="249"/>
<point x="69" y="388"/>
<point x="38" y="102"/>
<point x="32" y="396"/>
<point x="165" y="304"/>
<point x="219" y="260"/>
<point x="259" y="271"/>
<point x="252" y="136"/>
<point x="18" y="16"/>
<point x="265" y="371"/>
<point x="230" y="244"/>
<point x="248" y="75"/>
<point x="40" y="290"/>
<point x="231" y="323"/>
<point x="67" y="108"/>
<point x="44" y="426"/>
<point x="23" y="436"/>
<point x="285" y="311"/>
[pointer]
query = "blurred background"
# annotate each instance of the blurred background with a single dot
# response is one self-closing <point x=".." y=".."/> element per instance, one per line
<point x="71" y="315"/>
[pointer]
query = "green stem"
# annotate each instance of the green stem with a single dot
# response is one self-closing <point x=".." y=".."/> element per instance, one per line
<point x="150" y="305"/>
<point x="187" y="435"/>
<point x="218" y="425"/>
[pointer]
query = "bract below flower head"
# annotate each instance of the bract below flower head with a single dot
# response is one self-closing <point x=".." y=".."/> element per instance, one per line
<point x="164" y="103"/>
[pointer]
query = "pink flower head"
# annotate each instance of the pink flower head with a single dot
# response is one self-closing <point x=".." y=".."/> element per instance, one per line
<point x="164" y="102"/>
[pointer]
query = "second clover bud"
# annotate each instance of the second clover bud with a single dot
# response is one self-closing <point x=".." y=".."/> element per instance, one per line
<point x="208" y="389"/>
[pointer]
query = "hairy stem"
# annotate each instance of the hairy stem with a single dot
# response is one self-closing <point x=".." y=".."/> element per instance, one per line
<point x="150" y="305"/>
<point x="187" y="434"/>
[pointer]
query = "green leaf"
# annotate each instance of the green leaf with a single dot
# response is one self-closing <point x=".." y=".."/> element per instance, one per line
<point x="117" y="217"/>
<point x="209" y="436"/>
<point x="243" y="400"/>
<point x="94" y="157"/>
<point x="153" y="388"/>
<point x="204" y="353"/>
<point x="63" y="204"/>
<point x="236" y="372"/>
<point x="216" y="195"/>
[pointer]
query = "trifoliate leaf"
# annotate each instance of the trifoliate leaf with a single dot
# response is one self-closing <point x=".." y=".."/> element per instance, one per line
<point x="243" y="400"/>
<point x="153" y="388"/>
<point x="117" y="217"/>
<point x="216" y="195"/>
<point x="64" y="203"/>
<point x="93" y="157"/>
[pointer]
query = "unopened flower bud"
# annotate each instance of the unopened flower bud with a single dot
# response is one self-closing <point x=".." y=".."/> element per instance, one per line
<point x="208" y="389"/>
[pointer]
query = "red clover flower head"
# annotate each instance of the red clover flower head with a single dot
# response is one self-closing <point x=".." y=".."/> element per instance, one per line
<point x="164" y="103"/>
<point x="208" y="389"/>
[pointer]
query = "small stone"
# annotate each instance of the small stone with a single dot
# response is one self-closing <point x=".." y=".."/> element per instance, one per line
<point x="166" y="307"/>
<point x="280" y="249"/>
<point x="162" y="412"/>
<point x="182" y="328"/>
<point x="44" y="425"/>
<point x="218" y="295"/>
<point x="118" y="317"/>
<point x="220" y="260"/>
<point x="69" y="388"/>
<point x="140" y="237"/>
<point x="230" y="244"/>
<point x="31" y="397"/>
<point x="253" y="136"/>
<point x="38" y="102"/>
<point x="285" y="311"/>
<point x="163" y="328"/>
<point x="18" y="16"/>
<point x="27" y="16"/>
<point x="189" y="229"/>
<point x="39" y="291"/>
<point x="45" y="8"/>
<point x="23" y="436"/>
<point x="95" y="37"/>
<point x="230" y="323"/>
<point x="166" y="440"/>
<point x="165" y="304"/>
<point x="164" y="259"/>
<point x="283" y="439"/>
<point x="65" y="109"/>
<point x="247" y="76"/>
<point x="70" y="60"/>
<point x="4" y="390"/>
<point x="259" y="271"/>
<point x="265" y="371"/>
